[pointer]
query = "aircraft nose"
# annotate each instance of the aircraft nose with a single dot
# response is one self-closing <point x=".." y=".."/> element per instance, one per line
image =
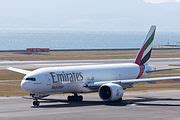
<point x="25" y="85"/>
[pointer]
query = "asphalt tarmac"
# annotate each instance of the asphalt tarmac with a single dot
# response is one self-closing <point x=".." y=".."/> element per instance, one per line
<point x="136" y="105"/>
<point x="144" y="105"/>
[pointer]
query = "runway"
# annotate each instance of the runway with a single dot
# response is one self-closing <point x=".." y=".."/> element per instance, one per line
<point x="136" y="105"/>
<point x="159" y="62"/>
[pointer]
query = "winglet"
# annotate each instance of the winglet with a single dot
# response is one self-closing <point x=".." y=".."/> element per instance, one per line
<point x="145" y="52"/>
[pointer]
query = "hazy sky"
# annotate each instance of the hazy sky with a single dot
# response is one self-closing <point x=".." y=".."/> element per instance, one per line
<point x="108" y="15"/>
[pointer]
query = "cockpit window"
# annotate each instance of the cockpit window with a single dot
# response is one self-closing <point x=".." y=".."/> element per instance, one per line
<point x="31" y="79"/>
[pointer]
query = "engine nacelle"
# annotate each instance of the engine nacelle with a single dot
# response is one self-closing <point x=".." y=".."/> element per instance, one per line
<point x="111" y="92"/>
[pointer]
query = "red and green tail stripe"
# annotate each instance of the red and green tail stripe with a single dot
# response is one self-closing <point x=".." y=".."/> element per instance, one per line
<point x="145" y="52"/>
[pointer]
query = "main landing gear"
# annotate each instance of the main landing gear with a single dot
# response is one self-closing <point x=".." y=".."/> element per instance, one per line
<point x="75" y="98"/>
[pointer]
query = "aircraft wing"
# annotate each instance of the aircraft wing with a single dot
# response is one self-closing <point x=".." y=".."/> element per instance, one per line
<point x="121" y="82"/>
<point x="22" y="71"/>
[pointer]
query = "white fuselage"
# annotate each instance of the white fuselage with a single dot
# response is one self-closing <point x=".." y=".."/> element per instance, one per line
<point x="71" y="79"/>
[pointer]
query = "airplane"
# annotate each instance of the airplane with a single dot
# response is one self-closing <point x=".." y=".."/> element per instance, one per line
<point x="109" y="80"/>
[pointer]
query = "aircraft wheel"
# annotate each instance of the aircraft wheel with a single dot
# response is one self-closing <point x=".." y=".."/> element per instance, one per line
<point x="75" y="98"/>
<point x="80" y="98"/>
<point x="36" y="103"/>
<point x="120" y="100"/>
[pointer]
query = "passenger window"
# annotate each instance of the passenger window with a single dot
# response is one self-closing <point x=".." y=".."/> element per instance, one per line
<point x="31" y="79"/>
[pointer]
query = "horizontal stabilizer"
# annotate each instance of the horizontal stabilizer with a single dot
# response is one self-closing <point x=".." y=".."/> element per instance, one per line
<point x="160" y="70"/>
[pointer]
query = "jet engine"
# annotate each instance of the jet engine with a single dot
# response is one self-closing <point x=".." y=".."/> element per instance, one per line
<point x="111" y="92"/>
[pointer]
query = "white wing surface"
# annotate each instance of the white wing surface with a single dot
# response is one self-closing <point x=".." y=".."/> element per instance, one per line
<point x="22" y="71"/>
<point x="121" y="82"/>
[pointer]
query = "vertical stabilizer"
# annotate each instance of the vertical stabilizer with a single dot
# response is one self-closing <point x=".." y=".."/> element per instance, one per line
<point x="145" y="52"/>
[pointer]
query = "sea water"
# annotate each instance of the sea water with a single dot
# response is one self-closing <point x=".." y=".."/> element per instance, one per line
<point x="20" y="40"/>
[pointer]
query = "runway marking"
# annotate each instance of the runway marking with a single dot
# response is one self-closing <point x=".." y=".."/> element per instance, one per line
<point x="22" y="64"/>
<point x="10" y="82"/>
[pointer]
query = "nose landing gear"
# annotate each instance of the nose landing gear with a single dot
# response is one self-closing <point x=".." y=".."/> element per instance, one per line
<point x="35" y="97"/>
<point x="36" y="103"/>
